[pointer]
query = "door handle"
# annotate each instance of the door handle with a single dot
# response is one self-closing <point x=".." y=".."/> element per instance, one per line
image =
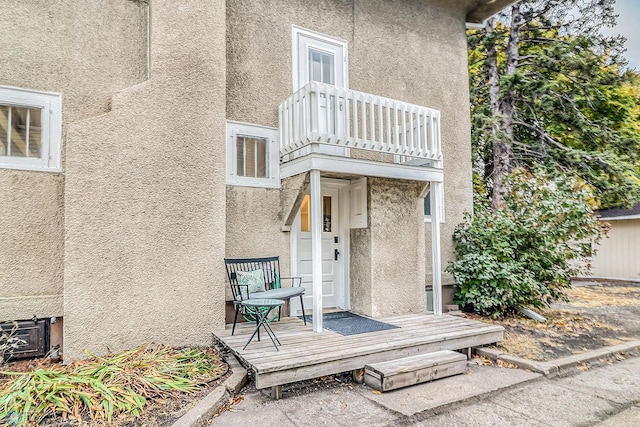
<point x="335" y="254"/>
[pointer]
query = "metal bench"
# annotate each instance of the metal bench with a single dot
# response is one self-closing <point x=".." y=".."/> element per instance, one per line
<point x="270" y="266"/>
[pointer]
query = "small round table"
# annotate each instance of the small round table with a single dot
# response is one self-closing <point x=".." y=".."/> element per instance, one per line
<point x="262" y="308"/>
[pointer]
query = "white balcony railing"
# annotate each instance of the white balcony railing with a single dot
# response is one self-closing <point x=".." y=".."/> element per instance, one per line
<point x="325" y="114"/>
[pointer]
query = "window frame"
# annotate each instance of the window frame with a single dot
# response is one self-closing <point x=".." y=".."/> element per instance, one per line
<point x="50" y="104"/>
<point x="427" y="218"/>
<point x="272" y="157"/>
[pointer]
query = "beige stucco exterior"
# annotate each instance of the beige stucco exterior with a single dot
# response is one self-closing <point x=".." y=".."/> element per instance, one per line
<point x="105" y="52"/>
<point x="144" y="242"/>
<point x="127" y="243"/>
<point x="128" y="240"/>
<point x="618" y="255"/>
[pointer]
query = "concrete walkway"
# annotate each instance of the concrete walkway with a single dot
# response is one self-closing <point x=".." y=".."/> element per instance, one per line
<point x="486" y="396"/>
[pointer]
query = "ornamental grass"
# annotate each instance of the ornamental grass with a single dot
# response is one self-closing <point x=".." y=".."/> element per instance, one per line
<point x="104" y="387"/>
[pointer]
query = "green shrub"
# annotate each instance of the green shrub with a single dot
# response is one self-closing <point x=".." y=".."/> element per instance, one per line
<point x="525" y="253"/>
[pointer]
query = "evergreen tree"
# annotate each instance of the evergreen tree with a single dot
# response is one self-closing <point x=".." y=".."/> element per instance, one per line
<point x="548" y="89"/>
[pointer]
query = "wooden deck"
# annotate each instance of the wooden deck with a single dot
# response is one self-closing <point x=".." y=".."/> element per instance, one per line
<point x="304" y="354"/>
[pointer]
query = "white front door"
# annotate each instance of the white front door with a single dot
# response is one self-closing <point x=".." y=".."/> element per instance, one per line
<point x="334" y="251"/>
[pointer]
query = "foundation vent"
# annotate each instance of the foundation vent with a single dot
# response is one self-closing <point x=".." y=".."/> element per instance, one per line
<point x="34" y="335"/>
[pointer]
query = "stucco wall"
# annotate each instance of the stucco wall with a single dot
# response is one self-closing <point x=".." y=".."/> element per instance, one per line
<point x="145" y="211"/>
<point x="413" y="51"/>
<point x="397" y="247"/>
<point x="86" y="51"/>
<point x="254" y="226"/>
<point x="418" y="54"/>
<point x="618" y="255"/>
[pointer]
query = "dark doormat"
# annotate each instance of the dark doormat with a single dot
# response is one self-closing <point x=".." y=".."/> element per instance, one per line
<point x="346" y="323"/>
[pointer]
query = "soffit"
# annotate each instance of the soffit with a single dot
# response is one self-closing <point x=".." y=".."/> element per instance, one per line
<point x="342" y="167"/>
<point x="484" y="9"/>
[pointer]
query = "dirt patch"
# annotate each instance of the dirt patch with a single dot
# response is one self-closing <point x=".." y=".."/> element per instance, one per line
<point x="599" y="314"/>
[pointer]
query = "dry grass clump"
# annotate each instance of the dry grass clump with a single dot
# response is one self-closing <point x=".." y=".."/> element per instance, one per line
<point x="597" y="296"/>
<point x="104" y="387"/>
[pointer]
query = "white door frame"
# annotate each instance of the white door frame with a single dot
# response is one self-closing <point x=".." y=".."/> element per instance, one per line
<point x="343" y="245"/>
<point x="301" y="40"/>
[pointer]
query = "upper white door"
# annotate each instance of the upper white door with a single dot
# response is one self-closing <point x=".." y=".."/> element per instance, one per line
<point x="334" y="249"/>
<point x="321" y="59"/>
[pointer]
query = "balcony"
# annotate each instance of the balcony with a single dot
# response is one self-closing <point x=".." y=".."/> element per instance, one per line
<point x="331" y="120"/>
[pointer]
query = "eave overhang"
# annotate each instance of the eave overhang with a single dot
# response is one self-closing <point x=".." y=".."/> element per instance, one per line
<point x="359" y="167"/>
<point x="484" y="9"/>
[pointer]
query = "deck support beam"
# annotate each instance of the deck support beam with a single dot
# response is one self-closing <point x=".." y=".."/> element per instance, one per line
<point x="316" y="249"/>
<point x="436" y="189"/>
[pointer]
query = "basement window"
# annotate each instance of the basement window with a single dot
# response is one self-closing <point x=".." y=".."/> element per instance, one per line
<point x="252" y="155"/>
<point x="30" y="130"/>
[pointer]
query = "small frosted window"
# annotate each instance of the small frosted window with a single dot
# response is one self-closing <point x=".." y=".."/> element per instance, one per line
<point x="427" y="204"/>
<point x="252" y="155"/>
<point x="20" y="131"/>
<point x="305" y="214"/>
<point x="326" y="214"/>
<point x="251" y="158"/>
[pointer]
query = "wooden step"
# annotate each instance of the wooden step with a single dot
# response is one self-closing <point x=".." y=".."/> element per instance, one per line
<point x="393" y="374"/>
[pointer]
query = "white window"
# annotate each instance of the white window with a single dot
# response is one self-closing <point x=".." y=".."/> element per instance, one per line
<point x="427" y="207"/>
<point x="30" y="130"/>
<point x="252" y="155"/>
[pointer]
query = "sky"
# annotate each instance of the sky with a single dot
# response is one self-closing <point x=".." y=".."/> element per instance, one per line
<point x="628" y="26"/>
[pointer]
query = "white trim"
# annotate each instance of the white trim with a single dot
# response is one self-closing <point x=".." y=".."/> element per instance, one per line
<point x="273" y="156"/>
<point x="604" y="279"/>
<point x="316" y="249"/>
<point x="296" y="33"/>
<point x="354" y="167"/>
<point x="475" y="25"/>
<point x="344" y="246"/>
<point x="50" y="104"/>
<point x="618" y="218"/>
<point x="436" y="189"/>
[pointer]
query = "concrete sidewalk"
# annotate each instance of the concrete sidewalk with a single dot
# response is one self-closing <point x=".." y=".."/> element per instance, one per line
<point x="487" y="396"/>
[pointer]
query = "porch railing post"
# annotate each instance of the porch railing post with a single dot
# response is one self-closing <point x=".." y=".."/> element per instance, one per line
<point x="436" y="189"/>
<point x="316" y="249"/>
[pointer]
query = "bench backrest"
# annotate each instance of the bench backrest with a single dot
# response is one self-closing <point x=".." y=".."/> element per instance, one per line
<point x="269" y="265"/>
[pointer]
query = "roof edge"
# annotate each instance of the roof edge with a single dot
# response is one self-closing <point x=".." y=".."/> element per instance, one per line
<point x="618" y="218"/>
<point x="620" y="213"/>
<point x="485" y="9"/>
